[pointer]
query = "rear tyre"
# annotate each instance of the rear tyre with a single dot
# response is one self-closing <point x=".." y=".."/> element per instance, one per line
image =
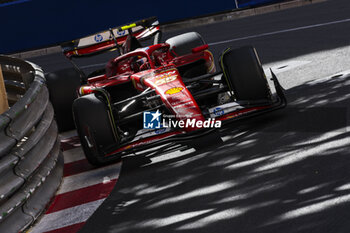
<point x="184" y="43"/>
<point x="244" y="74"/>
<point x="62" y="87"/>
<point x="94" y="128"/>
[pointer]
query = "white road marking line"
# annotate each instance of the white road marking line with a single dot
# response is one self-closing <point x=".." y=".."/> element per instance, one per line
<point x="67" y="217"/>
<point x="86" y="179"/>
<point x="280" y="31"/>
<point x="73" y="155"/>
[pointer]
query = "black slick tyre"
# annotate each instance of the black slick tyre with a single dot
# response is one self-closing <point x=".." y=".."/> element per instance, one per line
<point x="184" y="43"/>
<point x="62" y="87"/>
<point x="244" y="74"/>
<point x="93" y="123"/>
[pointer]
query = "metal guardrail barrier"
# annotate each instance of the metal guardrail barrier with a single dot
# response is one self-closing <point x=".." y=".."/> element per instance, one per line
<point x="31" y="163"/>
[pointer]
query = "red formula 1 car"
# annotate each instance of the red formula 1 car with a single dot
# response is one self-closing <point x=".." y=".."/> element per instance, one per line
<point x="164" y="92"/>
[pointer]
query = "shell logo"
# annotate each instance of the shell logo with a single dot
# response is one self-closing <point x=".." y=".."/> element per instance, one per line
<point x="174" y="90"/>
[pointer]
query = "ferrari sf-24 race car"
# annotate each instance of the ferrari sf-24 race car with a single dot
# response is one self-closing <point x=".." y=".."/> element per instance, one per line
<point x="163" y="92"/>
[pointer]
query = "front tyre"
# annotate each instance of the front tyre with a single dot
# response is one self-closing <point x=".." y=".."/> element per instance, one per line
<point x="244" y="74"/>
<point x="93" y="123"/>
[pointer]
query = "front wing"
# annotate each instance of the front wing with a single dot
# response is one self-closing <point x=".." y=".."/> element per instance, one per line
<point x="145" y="139"/>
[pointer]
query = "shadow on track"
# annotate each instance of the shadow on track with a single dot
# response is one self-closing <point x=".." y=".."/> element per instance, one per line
<point x="287" y="171"/>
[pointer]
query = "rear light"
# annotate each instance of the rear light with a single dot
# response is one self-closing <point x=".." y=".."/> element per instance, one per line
<point x="86" y="90"/>
<point x="200" y="48"/>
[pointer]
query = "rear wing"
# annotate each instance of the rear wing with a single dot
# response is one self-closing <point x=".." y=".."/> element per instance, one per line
<point x="110" y="39"/>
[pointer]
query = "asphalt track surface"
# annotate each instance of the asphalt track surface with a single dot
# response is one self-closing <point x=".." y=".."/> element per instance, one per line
<point x="287" y="171"/>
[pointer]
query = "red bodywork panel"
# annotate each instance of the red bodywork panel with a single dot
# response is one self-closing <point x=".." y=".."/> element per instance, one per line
<point x="174" y="94"/>
<point x="158" y="58"/>
<point x="157" y="67"/>
<point x="159" y="73"/>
